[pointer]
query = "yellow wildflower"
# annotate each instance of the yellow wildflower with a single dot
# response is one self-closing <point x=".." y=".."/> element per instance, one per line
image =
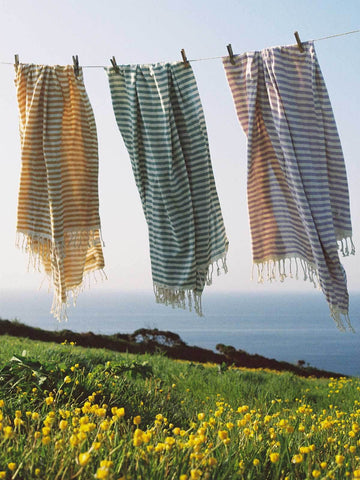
<point x="223" y="434"/>
<point x="243" y="409"/>
<point x="182" y="477"/>
<point x="274" y="457"/>
<point x="102" y="473"/>
<point x="49" y="400"/>
<point x="74" y="441"/>
<point x="8" y="432"/>
<point x="84" y="458"/>
<point x="46" y="440"/>
<point x="339" y="459"/>
<point x="212" y="461"/>
<point x="37" y="472"/>
<point x="160" y="447"/>
<point x="356" y="473"/>
<point x="256" y="462"/>
<point x="316" y="473"/>
<point x="101" y="412"/>
<point x="2" y="403"/>
<point x="2" y="474"/>
<point x="137" y="441"/>
<point x="170" y="441"/>
<point x="195" y="474"/>
<point x="297" y="458"/>
<point x="86" y="407"/>
<point x="63" y="424"/>
<point x="323" y="465"/>
<point x="105" y="425"/>
<point x="12" y="466"/>
<point x="35" y="416"/>
<point x="137" y="420"/>
<point x="120" y="412"/>
<point x="201" y="416"/>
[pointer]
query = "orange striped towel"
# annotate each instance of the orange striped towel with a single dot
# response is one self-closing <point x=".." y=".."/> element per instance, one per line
<point x="58" y="222"/>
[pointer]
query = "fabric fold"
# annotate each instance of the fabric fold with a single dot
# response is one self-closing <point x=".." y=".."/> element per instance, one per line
<point x="297" y="186"/>
<point x="58" y="222"/>
<point x="159" y="114"/>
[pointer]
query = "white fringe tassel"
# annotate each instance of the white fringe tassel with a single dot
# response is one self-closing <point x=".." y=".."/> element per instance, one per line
<point x="346" y="246"/>
<point x="42" y="250"/>
<point x="187" y="297"/>
<point x="341" y="319"/>
<point x="273" y="270"/>
<point x="279" y="269"/>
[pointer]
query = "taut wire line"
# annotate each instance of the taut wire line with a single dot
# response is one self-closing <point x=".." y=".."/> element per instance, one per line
<point x="215" y="58"/>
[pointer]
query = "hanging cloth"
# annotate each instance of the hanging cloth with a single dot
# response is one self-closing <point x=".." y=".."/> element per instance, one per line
<point x="159" y="114"/>
<point x="58" y="221"/>
<point x="297" y="186"/>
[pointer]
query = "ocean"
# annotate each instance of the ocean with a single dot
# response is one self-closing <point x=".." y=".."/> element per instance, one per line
<point x="289" y="327"/>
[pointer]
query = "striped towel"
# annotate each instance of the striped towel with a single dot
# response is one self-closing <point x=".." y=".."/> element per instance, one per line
<point x="159" y="114"/>
<point x="297" y="186"/>
<point x="58" y="220"/>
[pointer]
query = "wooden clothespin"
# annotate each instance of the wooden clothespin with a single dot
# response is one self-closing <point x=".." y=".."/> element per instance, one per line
<point x="115" y="65"/>
<point x="185" y="60"/>
<point x="17" y="59"/>
<point x="231" y="55"/>
<point x="76" y="64"/>
<point x="298" y="41"/>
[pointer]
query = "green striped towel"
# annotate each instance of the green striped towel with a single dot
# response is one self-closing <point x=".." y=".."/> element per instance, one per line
<point x="159" y="114"/>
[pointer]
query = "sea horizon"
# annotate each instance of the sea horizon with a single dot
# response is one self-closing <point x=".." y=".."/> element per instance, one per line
<point x="288" y="327"/>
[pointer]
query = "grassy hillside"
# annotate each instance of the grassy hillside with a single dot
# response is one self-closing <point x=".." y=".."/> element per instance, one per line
<point x="71" y="412"/>
<point x="158" y="341"/>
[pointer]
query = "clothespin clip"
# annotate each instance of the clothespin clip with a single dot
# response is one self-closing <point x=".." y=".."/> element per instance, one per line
<point x="76" y="64"/>
<point x="115" y="65"/>
<point x="185" y="60"/>
<point x="298" y="41"/>
<point x="16" y="60"/>
<point x="231" y="55"/>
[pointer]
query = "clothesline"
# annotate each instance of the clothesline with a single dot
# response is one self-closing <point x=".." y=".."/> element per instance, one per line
<point x="221" y="56"/>
<point x="298" y="207"/>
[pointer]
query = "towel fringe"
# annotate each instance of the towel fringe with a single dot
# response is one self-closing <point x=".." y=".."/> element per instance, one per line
<point x="188" y="297"/>
<point x="281" y="268"/>
<point x="62" y="301"/>
<point x="41" y="249"/>
<point x="178" y="298"/>
<point x="346" y="246"/>
<point x="341" y="319"/>
<point x="275" y="269"/>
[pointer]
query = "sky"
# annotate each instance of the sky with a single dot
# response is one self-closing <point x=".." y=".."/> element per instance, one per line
<point x="149" y="31"/>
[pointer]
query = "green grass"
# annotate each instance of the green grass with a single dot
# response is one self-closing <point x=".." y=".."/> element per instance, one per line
<point x="181" y="420"/>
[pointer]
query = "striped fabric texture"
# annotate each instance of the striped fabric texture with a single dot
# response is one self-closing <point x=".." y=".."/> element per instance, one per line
<point x="58" y="221"/>
<point x="159" y="114"/>
<point x="297" y="186"/>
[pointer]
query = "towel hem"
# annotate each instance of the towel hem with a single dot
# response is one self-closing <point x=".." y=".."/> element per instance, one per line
<point x="188" y="297"/>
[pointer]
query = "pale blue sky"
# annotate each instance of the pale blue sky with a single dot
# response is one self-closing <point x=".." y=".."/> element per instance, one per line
<point x="147" y="31"/>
